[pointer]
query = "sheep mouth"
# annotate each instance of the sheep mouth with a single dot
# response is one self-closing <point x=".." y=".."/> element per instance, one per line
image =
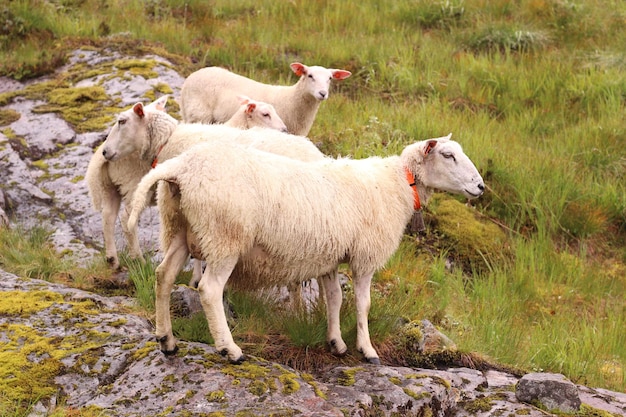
<point x="471" y="194"/>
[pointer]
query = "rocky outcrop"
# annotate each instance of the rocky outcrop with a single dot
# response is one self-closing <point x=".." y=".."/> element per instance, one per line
<point x="86" y="351"/>
<point x="63" y="346"/>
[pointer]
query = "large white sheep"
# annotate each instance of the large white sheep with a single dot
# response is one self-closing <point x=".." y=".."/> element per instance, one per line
<point x="209" y="95"/>
<point x="144" y="133"/>
<point x="263" y="219"/>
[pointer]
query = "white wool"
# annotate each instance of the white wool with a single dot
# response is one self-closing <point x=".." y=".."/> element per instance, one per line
<point x="144" y="134"/>
<point x="209" y="95"/>
<point x="261" y="218"/>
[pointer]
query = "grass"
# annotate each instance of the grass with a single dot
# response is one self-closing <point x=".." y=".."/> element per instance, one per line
<point x="534" y="90"/>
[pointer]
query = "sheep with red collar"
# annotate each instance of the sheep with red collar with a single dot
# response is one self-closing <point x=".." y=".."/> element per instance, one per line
<point x="209" y="95"/>
<point x="144" y="134"/>
<point x="263" y="219"/>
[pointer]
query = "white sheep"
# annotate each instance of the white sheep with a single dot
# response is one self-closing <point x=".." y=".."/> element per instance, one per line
<point x="263" y="219"/>
<point x="253" y="113"/>
<point x="140" y="135"/>
<point x="208" y="95"/>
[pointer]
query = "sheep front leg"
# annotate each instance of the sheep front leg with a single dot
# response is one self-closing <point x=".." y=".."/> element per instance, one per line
<point x="333" y="297"/>
<point x="211" y="288"/>
<point x="173" y="261"/>
<point x="362" y="284"/>
<point x="110" y="207"/>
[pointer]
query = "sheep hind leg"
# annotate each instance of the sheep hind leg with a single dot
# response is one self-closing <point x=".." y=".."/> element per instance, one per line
<point x="362" y="285"/>
<point x="333" y="297"/>
<point x="197" y="273"/>
<point x="110" y="208"/>
<point x="211" y="288"/>
<point x="134" y="249"/>
<point x="173" y="261"/>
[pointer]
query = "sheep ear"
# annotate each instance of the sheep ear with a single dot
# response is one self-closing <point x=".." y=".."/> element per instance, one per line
<point x="160" y="103"/>
<point x="298" y="68"/>
<point x="429" y="146"/>
<point x="138" y="110"/>
<point x="250" y="108"/>
<point x="341" y="74"/>
<point x="243" y="99"/>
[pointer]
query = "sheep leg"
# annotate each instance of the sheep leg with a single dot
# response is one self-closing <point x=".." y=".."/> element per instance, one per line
<point x="362" y="284"/>
<point x="110" y="208"/>
<point x="173" y="261"/>
<point x="211" y="288"/>
<point x="333" y="297"/>
<point x="197" y="273"/>
<point x="134" y="249"/>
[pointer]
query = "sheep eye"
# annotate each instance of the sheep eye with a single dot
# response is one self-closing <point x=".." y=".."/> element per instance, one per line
<point x="448" y="155"/>
<point x="266" y="115"/>
<point x="121" y="121"/>
<point x="310" y="76"/>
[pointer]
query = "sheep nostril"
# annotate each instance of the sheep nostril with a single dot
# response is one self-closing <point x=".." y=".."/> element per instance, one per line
<point x="481" y="187"/>
<point x="104" y="153"/>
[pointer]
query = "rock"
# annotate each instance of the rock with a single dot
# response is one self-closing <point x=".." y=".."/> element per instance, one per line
<point x="185" y="301"/>
<point x="551" y="391"/>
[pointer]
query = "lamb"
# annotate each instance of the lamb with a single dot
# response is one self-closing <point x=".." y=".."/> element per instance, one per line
<point x="253" y="113"/>
<point x="141" y="132"/>
<point x="259" y="219"/>
<point x="208" y="95"/>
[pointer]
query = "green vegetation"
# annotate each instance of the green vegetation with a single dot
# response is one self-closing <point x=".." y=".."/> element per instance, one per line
<point x="534" y="275"/>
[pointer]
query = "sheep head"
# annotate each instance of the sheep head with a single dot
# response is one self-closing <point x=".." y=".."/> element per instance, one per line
<point x="317" y="79"/>
<point x="134" y="129"/>
<point x="441" y="164"/>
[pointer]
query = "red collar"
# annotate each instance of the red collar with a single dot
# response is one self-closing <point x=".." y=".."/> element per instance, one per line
<point x="155" y="161"/>
<point x="416" y="197"/>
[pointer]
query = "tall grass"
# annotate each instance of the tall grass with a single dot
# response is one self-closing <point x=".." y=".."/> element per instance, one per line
<point x="534" y="90"/>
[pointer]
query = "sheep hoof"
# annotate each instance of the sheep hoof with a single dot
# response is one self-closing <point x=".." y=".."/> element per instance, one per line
<point x="335" y="350"/>
<point x="373" y="361"/>
<point x="163" y="342"/>
<point x="113" y="262"/>
<point x="170" y="352"/>
<point x="238" y="361"/>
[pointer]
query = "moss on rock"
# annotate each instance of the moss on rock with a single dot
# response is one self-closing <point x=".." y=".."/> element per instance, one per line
<point x="473" y="241"/>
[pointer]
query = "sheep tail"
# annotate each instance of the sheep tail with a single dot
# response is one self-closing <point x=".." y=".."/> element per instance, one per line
<point x="142" y="196"/>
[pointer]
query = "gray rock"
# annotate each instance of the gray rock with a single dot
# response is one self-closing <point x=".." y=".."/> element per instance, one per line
<point x="552" y="391"/>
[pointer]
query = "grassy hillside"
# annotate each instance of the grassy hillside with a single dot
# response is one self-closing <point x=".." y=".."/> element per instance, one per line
<point x="534" y="90"/>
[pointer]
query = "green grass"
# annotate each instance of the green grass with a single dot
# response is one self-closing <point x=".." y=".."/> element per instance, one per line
<point x="534" y="90"/>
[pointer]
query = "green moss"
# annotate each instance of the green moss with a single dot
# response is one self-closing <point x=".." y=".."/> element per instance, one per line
<point x="395" y="380"/>
<point x="347" y="376"/>
<point x="8" y="116"/>
<point x="140" y="67"/>
<point x="77" y="179"/>
<point x="163" y="89"/>
<point x="141" y="353"/>
<point x="469" y="238"/>
<point x="483" y="404"/>
<point x="258" y="388"/>
<point x="247" y="370"/>
<point x="26" y="303"/>
<point x="415" y="395"/>
<point x="118" y="323"/>
<point x="311" y="381"/>
<point x="21" y="377"/>
<point x="189" y="394"/>
<point x="41" y="165"/>
<point x="290" y="383"/>
<point x="215" y="396"/>
<point x="79" y="106"/>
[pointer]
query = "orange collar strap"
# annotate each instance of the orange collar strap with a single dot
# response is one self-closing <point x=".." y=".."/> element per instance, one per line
<point x="155" y="161"/>
<point x="416" y="197"/>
